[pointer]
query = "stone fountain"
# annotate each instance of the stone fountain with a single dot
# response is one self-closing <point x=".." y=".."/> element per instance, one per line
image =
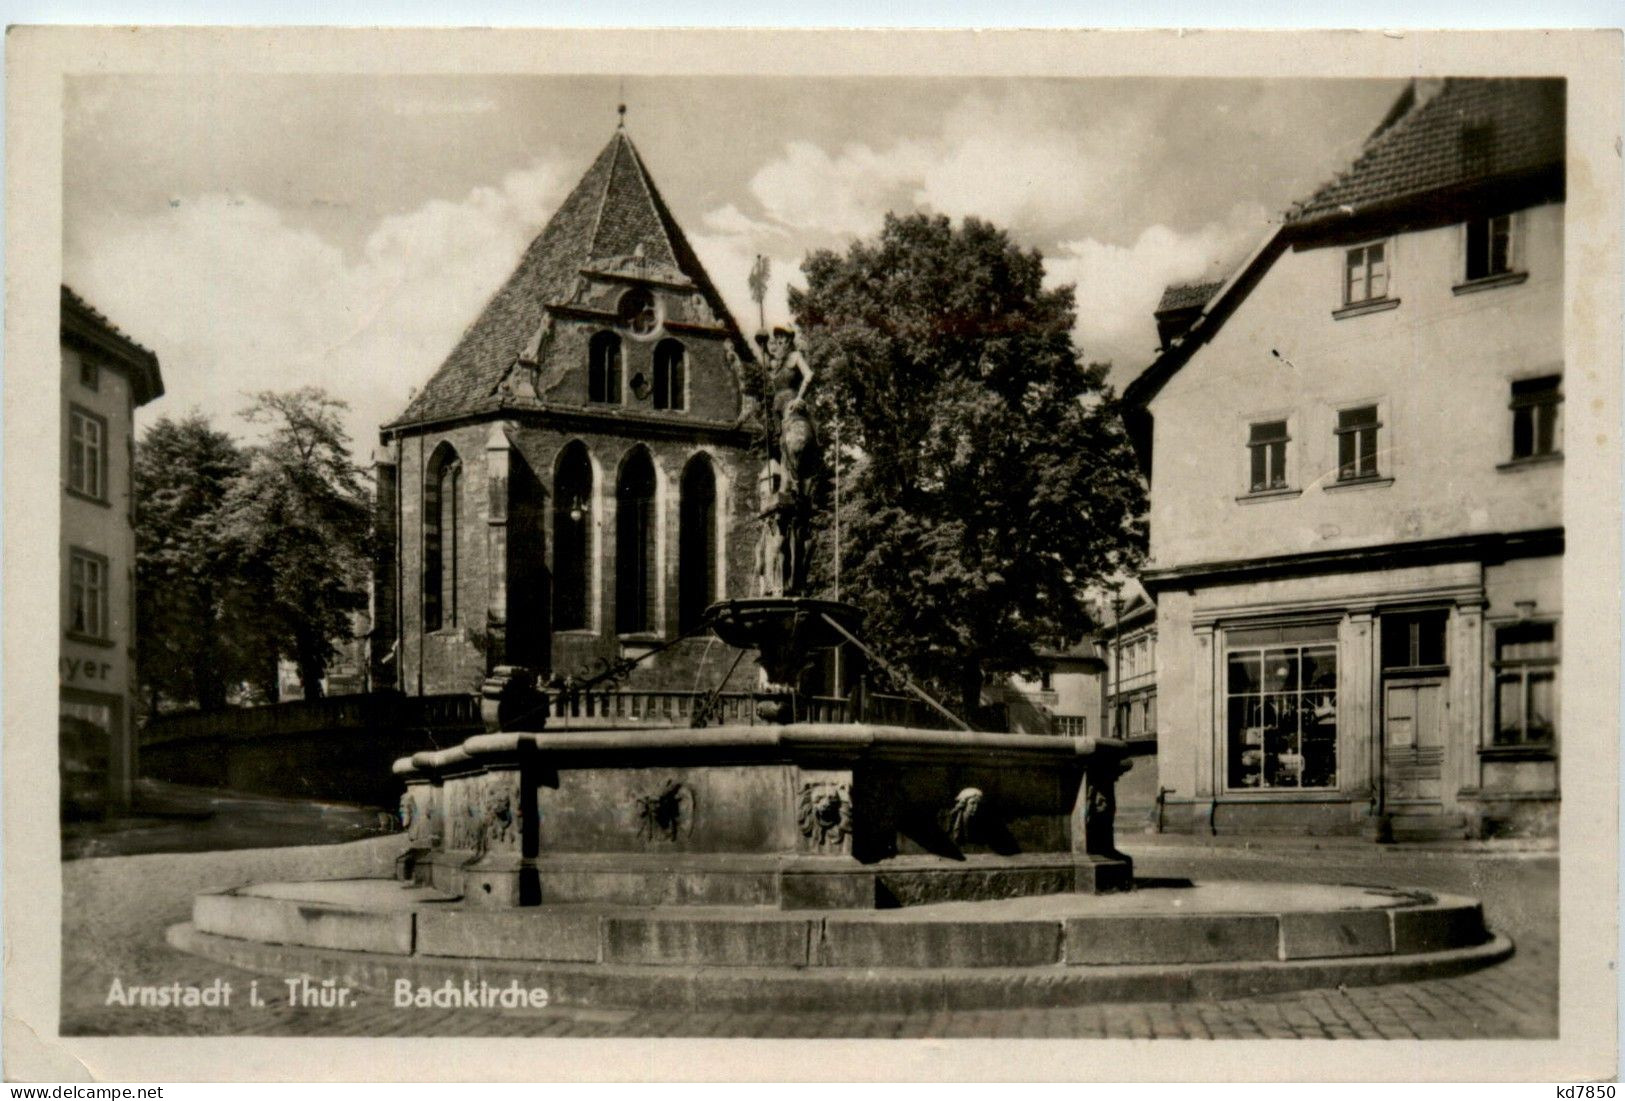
<point x="787" y="814"/>
<point x="794" y="864"/>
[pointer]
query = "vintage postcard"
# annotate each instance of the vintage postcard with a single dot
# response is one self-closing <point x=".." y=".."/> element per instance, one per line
<point x="919" y="540"/>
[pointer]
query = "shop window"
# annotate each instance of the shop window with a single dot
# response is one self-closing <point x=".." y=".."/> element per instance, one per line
<point x="1537" y="427"/>
<point x="572" y="516"/>
<point x="1266" y="445"/>
<point x="1365" y="274"/>
<point x="87" y="453"/>
<point x="1489" y="247"/>
<point x="84" y="751"/>
<point x="1281" y="697"/>
<point x="87" y="594"/>
<point x="1357" y="443"/>
<point x="1526" y="684"/>
<point x="670" y="363"/>
<point x="604" y="369"/>
<point x="1414" y="641"/>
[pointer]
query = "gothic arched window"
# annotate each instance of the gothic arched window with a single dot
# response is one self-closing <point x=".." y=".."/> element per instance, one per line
<point x="635" y="580"/>
<point x="442" y="501"/>
<point x="697" y="543"/>
<point x="572" y="515"/>
<point x="604" y="368"/>
<point x="670" y="367"/>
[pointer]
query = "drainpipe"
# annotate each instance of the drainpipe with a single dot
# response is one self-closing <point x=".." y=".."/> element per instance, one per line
<point x="1117" y="660"/>
<point x="422" y="505"/>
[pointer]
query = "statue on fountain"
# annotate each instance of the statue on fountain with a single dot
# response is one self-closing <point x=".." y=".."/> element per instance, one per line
<point x="794" y="461"/>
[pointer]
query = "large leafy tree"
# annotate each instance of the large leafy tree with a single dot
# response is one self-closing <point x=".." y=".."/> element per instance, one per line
<point x="987" y="479"/>
<point x="187" y="650"/>
<point x="297" y="526"/>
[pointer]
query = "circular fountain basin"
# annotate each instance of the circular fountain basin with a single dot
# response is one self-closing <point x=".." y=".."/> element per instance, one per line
<point x="1163" y="941"/>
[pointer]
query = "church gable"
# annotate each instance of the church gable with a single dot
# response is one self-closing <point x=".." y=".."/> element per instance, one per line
<point x="611" y="260"/>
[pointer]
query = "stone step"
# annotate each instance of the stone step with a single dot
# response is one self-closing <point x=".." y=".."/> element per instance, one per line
<point x="1067" y="931"/>
<point x="382" y="978"/>
<point x="1427" y="826"/>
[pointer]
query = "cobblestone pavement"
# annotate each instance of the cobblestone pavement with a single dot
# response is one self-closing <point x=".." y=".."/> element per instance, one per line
<point x="116" y="909"/>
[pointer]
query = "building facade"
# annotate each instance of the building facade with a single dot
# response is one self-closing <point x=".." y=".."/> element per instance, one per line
<point x="1127" y="639"/>
<point x="105" y="376"/>
<point x="1355" y="452"/>
<point x="1064" y="698"/>
<point x="577" y="482"/>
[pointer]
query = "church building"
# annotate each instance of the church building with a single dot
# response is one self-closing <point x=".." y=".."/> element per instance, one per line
<point x="577" y="481"/>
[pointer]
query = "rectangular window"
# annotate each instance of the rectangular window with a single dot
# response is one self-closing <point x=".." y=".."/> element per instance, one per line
<point x="1414" y="640"/>
<point x="1046" y="681"/>
<point x="1365" y="274"/>
<point x="1526" y="684"/>
<point x="1072" y="726"/>
<point x="87" y="594"/>
<point x="90" y="376"/>
<point x="87" y="453"/>
<point x="1537" y="423"/>
<point x="1267" y="446"/>
<point x="1357" y="443"/>
<point x="1282" y="710"/>
<point x="1489" y="247"/>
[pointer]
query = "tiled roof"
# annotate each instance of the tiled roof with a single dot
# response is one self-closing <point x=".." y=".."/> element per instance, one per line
<point x="1428" y="151"/>
<point x="1179" y="296"/>
<point x="614" y="211"/>
<point x="80" y="319"/>
<point x="1470" y="130"/>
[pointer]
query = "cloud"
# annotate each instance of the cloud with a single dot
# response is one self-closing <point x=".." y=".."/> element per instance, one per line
<point x="1059" y="182"/>
<point x="848" y="192"/>
<point x="1013" y="159"/>
<point x="1118" y="286"/>
<point x="235" y="298"/>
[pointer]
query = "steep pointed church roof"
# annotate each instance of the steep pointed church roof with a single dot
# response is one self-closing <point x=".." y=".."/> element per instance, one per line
<point x="614" y="212"/>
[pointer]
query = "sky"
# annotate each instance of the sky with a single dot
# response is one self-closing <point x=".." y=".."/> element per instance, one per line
<point x="263" y="231"/>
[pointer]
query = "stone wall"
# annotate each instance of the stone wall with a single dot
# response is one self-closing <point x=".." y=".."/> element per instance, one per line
<point x="505" y="550"/>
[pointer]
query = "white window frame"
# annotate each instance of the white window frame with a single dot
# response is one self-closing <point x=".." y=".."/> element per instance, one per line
<point x="1387" y="275"/>
<point x="1517" y="404"/>
<point x="92" y="454"/>
<point x="1516" y="259"/>
<point x="1286" y="452"/>
<point x="1524" y="668"/>
<point x="88" y="580"/>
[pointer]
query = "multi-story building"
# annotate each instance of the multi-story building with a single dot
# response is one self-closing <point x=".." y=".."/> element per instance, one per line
<point x="1355" y="453"/>
<point x="1062" y="698"/>
<point x="105" y="375"/>
<point x="576" y="482"/>
<point x="1127" y="639"/>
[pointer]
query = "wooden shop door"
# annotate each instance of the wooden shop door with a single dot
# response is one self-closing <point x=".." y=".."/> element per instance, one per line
<point x="1413" y="719"/>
